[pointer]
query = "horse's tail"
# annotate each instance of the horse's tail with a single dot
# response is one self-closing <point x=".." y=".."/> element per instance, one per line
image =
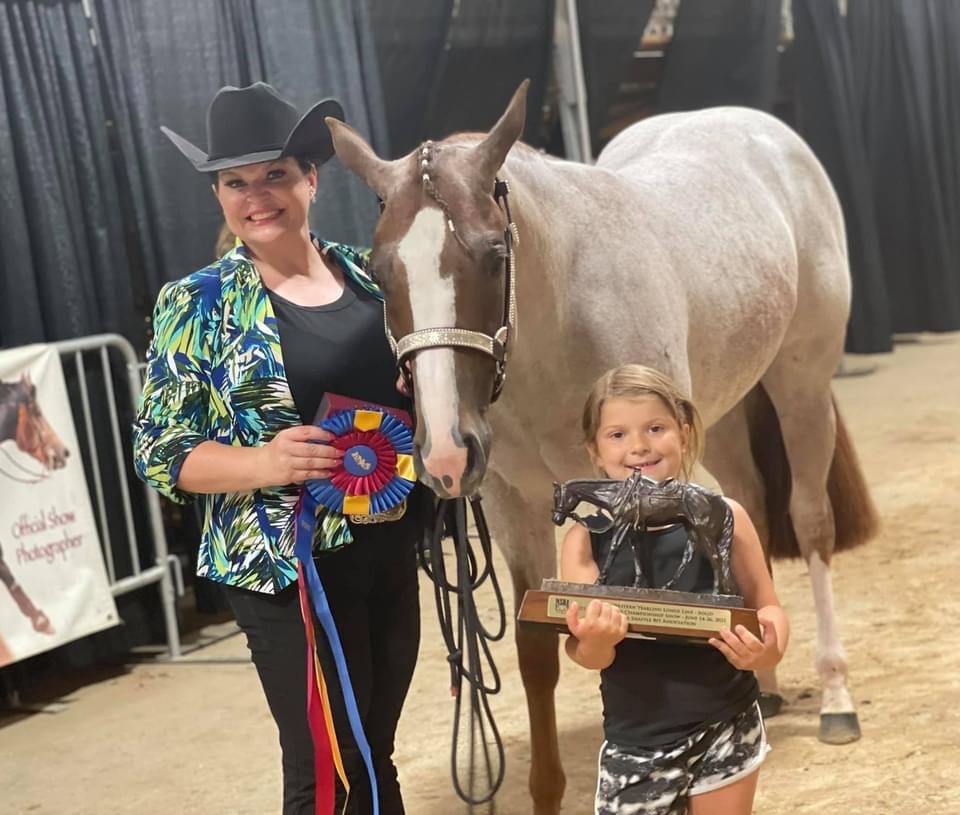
<point x="854" y="515"/>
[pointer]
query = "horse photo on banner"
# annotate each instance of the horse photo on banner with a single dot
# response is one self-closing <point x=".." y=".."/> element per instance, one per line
<point x="53" y="584"/>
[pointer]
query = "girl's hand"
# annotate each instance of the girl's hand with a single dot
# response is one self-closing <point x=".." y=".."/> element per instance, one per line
<point x="602" y="627"/>
<point x="747" y="653"/>
<point x="298" y="454"/>
<point x="594" y="640"/>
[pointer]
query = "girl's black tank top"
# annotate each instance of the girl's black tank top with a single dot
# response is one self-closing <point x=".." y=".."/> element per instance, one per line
<point x="656" y="693"/>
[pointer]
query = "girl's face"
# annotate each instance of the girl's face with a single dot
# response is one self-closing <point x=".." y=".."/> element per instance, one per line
<point x="266" y="201"/>
<point x="639" y="434"/>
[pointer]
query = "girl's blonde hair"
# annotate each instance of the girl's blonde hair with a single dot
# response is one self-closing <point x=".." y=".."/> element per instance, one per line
<point x="637" y="382"/>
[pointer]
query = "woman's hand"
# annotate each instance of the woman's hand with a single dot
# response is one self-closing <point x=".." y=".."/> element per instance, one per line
<point x="596" y="634"/>
<point x="744" y="651"/>
<point x="298" y="454"/>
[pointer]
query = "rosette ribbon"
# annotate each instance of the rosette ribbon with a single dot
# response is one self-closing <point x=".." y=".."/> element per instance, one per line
<point x="375" y="474"/>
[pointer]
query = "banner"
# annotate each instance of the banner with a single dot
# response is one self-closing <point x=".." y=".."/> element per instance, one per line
<point x="53" y="584"/>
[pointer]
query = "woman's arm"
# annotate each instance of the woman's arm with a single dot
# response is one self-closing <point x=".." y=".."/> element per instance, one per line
<point x="749" y="565"/>
<point x="291" y="457"/>
<point x="173" y="449"/>
<point x="172" y="414"/>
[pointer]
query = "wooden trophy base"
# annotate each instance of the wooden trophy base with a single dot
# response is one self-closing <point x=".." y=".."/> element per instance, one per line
<point x="651" y="613"/>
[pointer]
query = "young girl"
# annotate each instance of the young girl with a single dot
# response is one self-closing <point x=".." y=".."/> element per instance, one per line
<point x="682" y="725"/>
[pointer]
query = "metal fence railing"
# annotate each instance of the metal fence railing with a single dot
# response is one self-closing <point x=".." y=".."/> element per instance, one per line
<point x="105" y="373"/>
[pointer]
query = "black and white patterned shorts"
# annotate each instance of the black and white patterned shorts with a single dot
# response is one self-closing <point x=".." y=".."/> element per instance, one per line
<point x="633" y="781"/>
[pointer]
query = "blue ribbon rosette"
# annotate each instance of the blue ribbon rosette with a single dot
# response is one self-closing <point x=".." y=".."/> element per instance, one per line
<point x="376" y="472"/>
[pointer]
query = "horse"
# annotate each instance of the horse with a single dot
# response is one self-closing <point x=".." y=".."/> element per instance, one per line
<point x="22" y="421"/>
<point x="639" y="502"/>
<point x="709" y="245"/>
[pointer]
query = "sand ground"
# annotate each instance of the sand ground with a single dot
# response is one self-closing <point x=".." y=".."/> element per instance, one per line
<point x="196" y="736"/>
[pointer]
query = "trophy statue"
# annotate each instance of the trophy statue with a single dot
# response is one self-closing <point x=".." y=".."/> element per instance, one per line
<point x="636" y="504"/>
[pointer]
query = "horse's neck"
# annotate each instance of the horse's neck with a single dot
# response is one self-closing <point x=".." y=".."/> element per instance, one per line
<point x="546" y="205"/>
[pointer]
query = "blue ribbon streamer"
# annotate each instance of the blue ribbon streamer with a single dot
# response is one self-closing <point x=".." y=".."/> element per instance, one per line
<point x="306" y="523"/>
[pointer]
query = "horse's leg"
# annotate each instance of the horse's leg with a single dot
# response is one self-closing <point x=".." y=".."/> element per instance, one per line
<point x="694" y="543"/>
<point x="618" y="535"/>
<point x="527" y="538"/>
<point x="799" y="389"/>
<point x="729" y="459"/>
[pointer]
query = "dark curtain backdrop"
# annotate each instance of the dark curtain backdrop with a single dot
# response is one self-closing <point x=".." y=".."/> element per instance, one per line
<point x="610" y="33"/>
<point x="63" y="268"/>
<point x="827" y="115"/>
<point x="408" y="37"/>
<point x="723" y="52"/>
<point x="452" y="66"/>
<point x="906" y="73"/>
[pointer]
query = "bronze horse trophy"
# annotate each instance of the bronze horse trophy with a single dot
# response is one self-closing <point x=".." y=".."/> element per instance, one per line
<point x="639" y="503"/>
<point x="636" y="504"/>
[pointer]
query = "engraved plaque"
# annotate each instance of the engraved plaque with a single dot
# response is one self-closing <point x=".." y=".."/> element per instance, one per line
<point x="650" y="613"/>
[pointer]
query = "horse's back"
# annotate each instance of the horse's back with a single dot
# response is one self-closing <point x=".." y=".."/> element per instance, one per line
<point x="737" y="156"/>
<point x="735" y="210"/>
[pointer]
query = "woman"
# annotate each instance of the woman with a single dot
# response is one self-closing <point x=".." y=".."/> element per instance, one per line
<point x="243" y="352"/>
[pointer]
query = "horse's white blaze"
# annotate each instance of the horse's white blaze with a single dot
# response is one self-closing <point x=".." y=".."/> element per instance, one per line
<point x="831" y="656"/>
<point x="433" y="305"/>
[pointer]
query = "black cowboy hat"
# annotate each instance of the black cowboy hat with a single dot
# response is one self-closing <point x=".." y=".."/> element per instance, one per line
<point x="254" y="124"/>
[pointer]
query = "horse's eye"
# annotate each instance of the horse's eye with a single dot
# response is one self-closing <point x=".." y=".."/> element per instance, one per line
<point x="496" y="255"/>
<point x="381" y="204"/>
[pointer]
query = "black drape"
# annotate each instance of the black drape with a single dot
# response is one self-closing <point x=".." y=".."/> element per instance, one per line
<point x="162" y="63"/>
<point x="409" y="35"/>
<point x="64" y="269"/>
<point x="451" y="66"/>
<point x="489" y="48"/>
<point x="827" y="115"/>
<point x="723" y="52"/>
<point x="313" y="50"/>
<point x="908" y="79"/>
<point x="610" y="33"/>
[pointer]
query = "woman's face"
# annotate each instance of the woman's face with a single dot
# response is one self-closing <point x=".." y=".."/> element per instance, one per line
<point x="266" y="201"/>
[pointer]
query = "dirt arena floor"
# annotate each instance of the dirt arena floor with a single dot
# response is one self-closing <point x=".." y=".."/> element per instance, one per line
<point x="196" y="737"/>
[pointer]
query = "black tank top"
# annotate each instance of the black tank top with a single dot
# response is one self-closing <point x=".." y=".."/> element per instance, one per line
<point x="337" y="348"/>
<point x="342" y="348"/>
<point x="655" y="692"/>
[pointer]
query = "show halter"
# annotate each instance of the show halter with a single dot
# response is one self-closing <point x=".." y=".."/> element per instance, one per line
<point x="495" y="346"/>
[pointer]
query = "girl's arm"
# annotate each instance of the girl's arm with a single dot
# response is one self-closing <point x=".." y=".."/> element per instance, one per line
<point x="741" y="648"/>
<point x="595" y="636"/>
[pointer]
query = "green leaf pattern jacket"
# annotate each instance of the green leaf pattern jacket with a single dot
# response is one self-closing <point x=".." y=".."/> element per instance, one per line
<point x="215" y="372"/>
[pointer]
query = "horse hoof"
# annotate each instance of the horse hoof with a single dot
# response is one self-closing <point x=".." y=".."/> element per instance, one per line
<point x="839" y="728"/>
<point x="770" y="704"/>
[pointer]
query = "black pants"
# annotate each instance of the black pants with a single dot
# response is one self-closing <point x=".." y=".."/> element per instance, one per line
<point x="371" y="586"/>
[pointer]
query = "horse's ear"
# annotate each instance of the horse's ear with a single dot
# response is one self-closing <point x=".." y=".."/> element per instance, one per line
<point x="358" y="156"/>
<point x="492" y="151"/>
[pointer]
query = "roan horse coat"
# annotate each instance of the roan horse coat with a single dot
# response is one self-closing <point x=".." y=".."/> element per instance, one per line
<point x="709" y="245"/>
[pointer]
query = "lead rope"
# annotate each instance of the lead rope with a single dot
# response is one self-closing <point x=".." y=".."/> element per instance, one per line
<point x="467" y="640"/>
